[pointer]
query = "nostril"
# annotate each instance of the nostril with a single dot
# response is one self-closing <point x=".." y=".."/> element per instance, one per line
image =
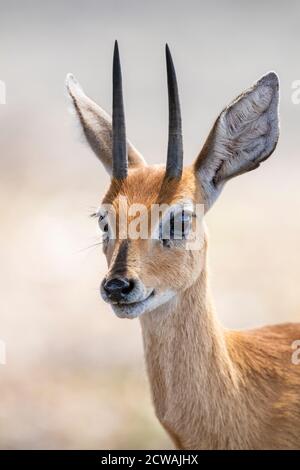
<point x="130" y="286"/>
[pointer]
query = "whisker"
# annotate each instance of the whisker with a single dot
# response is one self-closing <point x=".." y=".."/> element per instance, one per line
<point x="89" y="247"/>
<point x="93" y="211"/>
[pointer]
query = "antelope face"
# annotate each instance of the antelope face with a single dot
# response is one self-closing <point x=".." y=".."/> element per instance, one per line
<point x="157" y="250"/>
<point x="148" y="269"/>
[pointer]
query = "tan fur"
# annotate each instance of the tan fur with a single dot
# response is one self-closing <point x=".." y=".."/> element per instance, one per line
<point x="212" y="388"/>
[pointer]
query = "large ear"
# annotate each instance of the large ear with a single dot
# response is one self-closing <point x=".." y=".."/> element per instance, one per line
<point x="244" y="135"/>
<point x="97" y="127"/>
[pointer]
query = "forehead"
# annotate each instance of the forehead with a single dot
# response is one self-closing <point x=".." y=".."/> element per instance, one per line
<point x="147" y="185"/>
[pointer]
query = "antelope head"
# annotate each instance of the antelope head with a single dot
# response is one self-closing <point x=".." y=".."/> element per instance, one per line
<point x="147" y="272"/>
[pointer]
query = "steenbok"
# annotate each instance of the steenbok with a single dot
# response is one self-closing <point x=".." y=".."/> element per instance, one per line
<point x="212" y="388"/>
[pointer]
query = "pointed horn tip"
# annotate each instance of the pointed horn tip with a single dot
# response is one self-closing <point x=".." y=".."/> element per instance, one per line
<point x="169" y="59"/>
<point x="116" y="56"/>
<point x="116" y="47"/>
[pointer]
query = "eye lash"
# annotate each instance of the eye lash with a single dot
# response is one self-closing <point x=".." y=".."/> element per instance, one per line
<point x="98" y="215"/>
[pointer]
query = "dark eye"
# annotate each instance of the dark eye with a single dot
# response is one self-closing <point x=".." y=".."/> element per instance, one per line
<point x="103" y="225"/>
<point x="176" y="228"/>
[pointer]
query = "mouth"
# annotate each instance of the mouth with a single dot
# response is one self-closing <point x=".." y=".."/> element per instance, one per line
<point x="133" y="309"/>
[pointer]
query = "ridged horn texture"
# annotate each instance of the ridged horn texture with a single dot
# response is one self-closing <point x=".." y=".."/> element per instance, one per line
<point x="175" y="144"/>
<point x="119" y="145"/>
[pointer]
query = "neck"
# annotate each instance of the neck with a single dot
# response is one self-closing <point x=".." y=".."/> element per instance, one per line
<point x="188" y="364"/>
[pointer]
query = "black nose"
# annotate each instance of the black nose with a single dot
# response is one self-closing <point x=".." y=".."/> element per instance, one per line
<point x="118" y="288"/>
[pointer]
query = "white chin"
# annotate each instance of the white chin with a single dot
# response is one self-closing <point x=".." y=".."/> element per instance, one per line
<point x="138" y="308"/>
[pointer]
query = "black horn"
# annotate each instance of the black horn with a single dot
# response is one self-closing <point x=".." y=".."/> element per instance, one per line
<point x="175" y="145"/>
<point x="119" y="145"/>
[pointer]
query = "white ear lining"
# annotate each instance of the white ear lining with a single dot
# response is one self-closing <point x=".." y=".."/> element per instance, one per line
<point x="97" y="126"/>
<point x="244" y="135"/>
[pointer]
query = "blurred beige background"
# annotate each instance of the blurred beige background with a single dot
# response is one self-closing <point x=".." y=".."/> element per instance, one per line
<point x="75" y="375"/>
